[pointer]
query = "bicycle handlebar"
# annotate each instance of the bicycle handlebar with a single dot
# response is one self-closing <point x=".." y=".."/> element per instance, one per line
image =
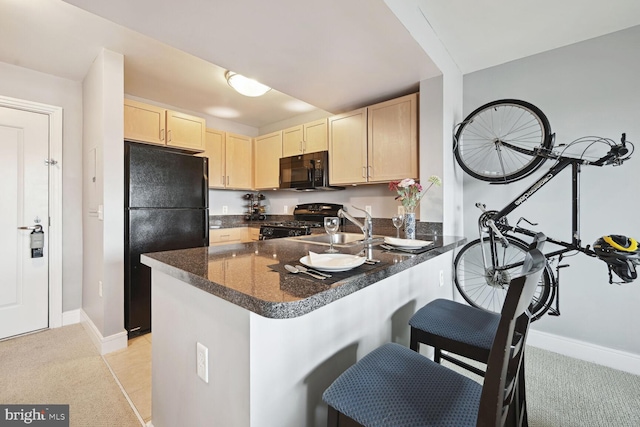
<point x="615" y="155"/>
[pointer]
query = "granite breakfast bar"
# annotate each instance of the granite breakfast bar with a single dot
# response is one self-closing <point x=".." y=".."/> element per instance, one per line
<point x="275" y="340"/>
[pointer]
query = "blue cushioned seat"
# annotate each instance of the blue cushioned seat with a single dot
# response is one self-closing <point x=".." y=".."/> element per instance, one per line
<point x="394" y="386"/>
<point x="458" y="322"/>
<point x="456" y="328"/>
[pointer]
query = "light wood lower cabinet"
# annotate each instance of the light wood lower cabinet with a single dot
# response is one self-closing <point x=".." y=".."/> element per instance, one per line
<point x="223" y="236"/>
<point x="154" y="125"/>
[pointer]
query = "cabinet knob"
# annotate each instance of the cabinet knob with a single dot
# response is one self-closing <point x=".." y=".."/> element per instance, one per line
<point x="161" y="134"/>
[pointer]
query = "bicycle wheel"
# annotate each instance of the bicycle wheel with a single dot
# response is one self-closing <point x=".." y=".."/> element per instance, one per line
<point x="496" y="142"/>
<point x="486" y="288"/>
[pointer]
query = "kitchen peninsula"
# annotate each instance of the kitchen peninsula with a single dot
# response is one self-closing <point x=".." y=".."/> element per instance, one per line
<point x="275" y="340"/>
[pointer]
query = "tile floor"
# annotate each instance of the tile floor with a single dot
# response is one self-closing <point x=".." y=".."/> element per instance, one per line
<point x="132" y="366"/>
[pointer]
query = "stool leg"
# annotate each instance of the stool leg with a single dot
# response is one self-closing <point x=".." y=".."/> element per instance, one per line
<point x="522" y="401"/>
<point x="413" y="341"/>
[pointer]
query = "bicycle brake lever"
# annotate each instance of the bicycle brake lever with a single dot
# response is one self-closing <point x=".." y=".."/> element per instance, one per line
<point x="533" y="224"/>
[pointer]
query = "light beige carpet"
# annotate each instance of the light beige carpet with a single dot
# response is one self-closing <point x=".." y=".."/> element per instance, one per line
<point x="567" y="392"/>
<point x="62" y="366"/>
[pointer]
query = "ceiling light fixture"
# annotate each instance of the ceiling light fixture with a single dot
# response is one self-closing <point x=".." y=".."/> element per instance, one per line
<point x="245" y="85"/>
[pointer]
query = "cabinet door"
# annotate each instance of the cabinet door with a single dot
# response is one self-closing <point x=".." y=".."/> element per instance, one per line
<point x="223" y="236"/>
<point x="239" y="164"/>
<point x="315" y="136"/>
<point x="185" y="131"/>
<point x="348" y="148"/>
<point x="268" y="150"/>
<point x="393" y="139"/>
<point x="214" y="151"/>
<point x="144" y="123"/>
<point x="292" y="140"/>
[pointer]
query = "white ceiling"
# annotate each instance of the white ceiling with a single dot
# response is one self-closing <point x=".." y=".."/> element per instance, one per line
<point x="335" y="55"/>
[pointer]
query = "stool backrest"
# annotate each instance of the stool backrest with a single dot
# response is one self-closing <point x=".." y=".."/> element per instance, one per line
<point x="505" y="358"/>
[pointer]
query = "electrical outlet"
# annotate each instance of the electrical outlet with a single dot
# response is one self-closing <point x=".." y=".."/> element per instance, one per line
<point x="202" y="362"/>
<point x="441" y="278"/>
<point x="400" y="210"/>
<point x="225" y="209"/>
<point x="286" y="209"/>
<point x="100" y="287"/>
<point x="368" y="209"/>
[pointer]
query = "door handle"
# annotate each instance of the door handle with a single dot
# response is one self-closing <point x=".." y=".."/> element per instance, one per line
<point x="36" y="227"/>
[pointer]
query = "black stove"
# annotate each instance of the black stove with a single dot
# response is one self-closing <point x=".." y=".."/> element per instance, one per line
<point x="306" y="217"/>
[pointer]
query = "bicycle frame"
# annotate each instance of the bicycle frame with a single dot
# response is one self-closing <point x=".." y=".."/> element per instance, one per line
<point x="563" y="162"/>
<point x="574" y="245"/>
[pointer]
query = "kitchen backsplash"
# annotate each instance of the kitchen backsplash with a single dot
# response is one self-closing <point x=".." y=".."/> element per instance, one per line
<point x="279" y="202"/>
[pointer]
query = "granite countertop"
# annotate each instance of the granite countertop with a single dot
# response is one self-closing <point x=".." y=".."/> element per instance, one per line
<point x="252" y="275"/>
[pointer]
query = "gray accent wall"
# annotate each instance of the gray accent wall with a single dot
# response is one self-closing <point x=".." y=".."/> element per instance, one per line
<point x="588" y="88"/>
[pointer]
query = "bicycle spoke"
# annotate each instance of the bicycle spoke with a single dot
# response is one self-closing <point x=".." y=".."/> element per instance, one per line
<point x="481" y="140"/>
<point x="485" y="286"/>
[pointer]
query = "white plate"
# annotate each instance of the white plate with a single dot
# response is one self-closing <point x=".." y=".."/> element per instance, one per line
<point x="333" y="262"/>
<point x="407" y="243"/>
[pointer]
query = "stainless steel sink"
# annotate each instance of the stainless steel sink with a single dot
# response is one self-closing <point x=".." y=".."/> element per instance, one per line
<point x="339" y="239"/>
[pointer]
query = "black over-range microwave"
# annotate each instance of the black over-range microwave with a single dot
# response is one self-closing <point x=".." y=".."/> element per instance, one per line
<point x="306" y="172"/>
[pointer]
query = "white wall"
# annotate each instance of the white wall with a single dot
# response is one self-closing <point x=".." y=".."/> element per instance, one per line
<point x="441" y="108"/>
<point x="589" y="88"/>
<point x="22" y="83"/>
<point x="378" y="196"/>
<point x="104" y="233"/>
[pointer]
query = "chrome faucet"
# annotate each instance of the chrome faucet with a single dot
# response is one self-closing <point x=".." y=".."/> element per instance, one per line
<point x="367" y="227"/>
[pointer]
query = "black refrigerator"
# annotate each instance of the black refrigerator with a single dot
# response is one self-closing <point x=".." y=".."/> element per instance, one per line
<point x="166" y="208"/>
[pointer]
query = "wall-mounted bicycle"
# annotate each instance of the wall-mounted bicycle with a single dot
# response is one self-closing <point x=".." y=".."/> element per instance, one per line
<point x="504" y="141"/>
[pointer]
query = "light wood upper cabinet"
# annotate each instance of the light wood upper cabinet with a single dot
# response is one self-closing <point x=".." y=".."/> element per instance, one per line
<point x="292" y="141"/>
<point x="238" y="161"/>
<point x="378" y="143"/>
<point x="392" y="137"/>
<point x="230" y="159"/>
<point x="214" y="150"/>
<point x="154" y="125"/>
<point x="267" y="153"/>
<point x="185" y="131"/>
<point x="348" y="148"/>
<point x="307" y="138"/>
<point x="315" y="136"/>
<point x="144" y="123"/>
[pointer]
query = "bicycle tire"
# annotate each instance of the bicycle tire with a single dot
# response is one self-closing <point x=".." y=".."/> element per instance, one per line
<point x="482" y="289"/>
<point x="479" y="145"/>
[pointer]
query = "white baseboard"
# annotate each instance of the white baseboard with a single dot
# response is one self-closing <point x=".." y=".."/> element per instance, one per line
<point x="616" y="359"/>
<point x="104" y="345"/>
<point x="70" y="317"/>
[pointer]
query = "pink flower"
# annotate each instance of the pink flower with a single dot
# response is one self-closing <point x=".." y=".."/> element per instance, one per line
<point x="410" y="192"/>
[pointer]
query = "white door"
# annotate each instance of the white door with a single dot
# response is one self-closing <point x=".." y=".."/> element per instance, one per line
<point x="24" y="186"/>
